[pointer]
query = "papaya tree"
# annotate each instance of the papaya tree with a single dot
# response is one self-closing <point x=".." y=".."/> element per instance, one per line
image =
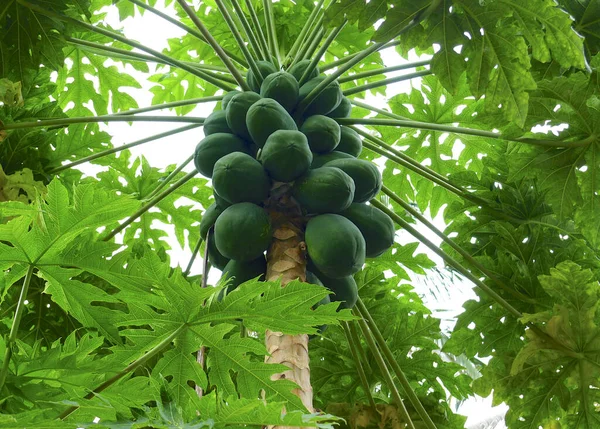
<point x="321" y="201"/>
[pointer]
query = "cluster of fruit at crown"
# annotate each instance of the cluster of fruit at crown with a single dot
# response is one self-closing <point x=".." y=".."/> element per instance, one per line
<point x="253" y="142"/>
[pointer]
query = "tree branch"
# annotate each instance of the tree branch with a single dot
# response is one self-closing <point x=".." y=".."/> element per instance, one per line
<point x="316" y="58"/>
<point x="385" y="82"/>
<point x="382" y="70"/>
<point x="181" y="65"/>
<point x="214" y="44"/>
<point x="187" y="29"/>
<point x="120" y="148"/>
<point x="14" y="329"/>
<point x="151" y="204"/>
<point x="363" y="54"/>
<point x="104" y="118"/>
<point x="412" y="396"/>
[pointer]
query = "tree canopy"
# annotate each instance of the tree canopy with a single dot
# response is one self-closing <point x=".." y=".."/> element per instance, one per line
<point x="99" y="327"/>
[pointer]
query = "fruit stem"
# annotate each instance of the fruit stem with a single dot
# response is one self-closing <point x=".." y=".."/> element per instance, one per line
<point x="170" y="177"/>
<point x="258" y="29"/>
<point x="410" y="393"/>
<point x="171" y="104"/>
<point x="158" y="198"/>
<point x="193" y="257"/>
<point x="201" y="354"/>
<point x="271" y="31"/>
<point x="124" y="54"/>
<point x="120" y="148"/>
<point x="361" y="55"/>
<point x="316" y="58"/>
<point x="347" y="58"/>
<point x="300" y="39"/>
<point x="187" y="29"/>
<point x="214" y="44"/>
<point x="385" y="82"/>
<point x="314" y="44"/>
<point x="385" y="372"/>
<point x="248" y="30"/>
<point x="316" y="32"/>
<point x="422" y="172"/>
<point x="382" y="70"/>
<point x="240" y="41"/>
<point x="14" y="330"/>
<point x="359" y="368"/>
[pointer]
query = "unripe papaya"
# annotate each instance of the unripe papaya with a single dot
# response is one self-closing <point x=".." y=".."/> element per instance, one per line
<point x="216" y="122"/>
<point x="281" y="87"/>
<point x="375" y="226"/>
<point x="298" y="69"/>
<point x="214" y="147"/>
<point x="265" y="117"/>
<point x="344" y="289"/>
<point x="350" y="142"/>
<point x="365" y="174"/>
<point x="239" y="178"/>
<point x="227" y="98"/>
<point x="241" y="271"/>
<point x="323" y="133"/>
<point x="343" y="110"/>
<point x="221" y="202"/>
<point x="319" y="160"/>
<point x="209" y="218"/>
<point x="237" y="110"/>
<point x="326" y="101"/>
<point x="286" y="155"/>
<point x="215" y="257"/>
<point x="266" y="68"/>
<point x="243" y="232"/>
<point x="324" y="190"/>
<point x="335" y="245"/>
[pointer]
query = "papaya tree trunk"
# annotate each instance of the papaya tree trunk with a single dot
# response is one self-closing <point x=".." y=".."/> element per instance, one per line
<point x="286" y="260"/>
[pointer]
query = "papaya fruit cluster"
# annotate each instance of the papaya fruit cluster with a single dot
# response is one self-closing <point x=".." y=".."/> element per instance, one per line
<point x="258" y="139"/>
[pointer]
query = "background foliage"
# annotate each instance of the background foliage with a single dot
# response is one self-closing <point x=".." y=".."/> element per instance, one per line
<point x="522" y="205"/>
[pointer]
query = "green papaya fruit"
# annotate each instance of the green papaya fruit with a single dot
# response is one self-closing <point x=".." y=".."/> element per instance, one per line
<point x="325" y="102"/>
<point x="319" y="160"/>
<point x="239" y="178"/>
<point x="350" y="142"/>
<point x="215" y="257"/>
<point x="335" y="246"/>
<point x="375" y="226"/>
<point x="214" y="147"/>
<point x="243" y="232"/>
<point x="227" y="98"/>
<point x="343" y="110"/>
<point x="254" y="82"/>
<point x="208" y="219"/>
<point x="286" y="155"/>
<point x="365" y="174"/>
<point x="216" y="122"/>
<point x="324" y="190"/>
<point x="265" y="117"/>
<point x="323" y="133"/>
<point x="241" y="271"/>
<point x="281" y="87"/>
<point x="298" y="69"/>
<point x="236" y="112"/>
